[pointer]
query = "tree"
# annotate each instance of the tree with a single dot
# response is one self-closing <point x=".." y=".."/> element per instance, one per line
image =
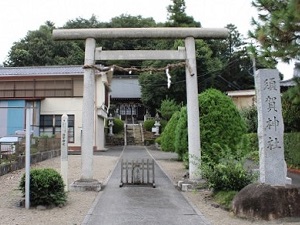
<point x="39" y="49"/>
<point x="177" y="16"/>
<point x="278" y="28"/>
<point x="153" y="89"/>
<point x="236" y="66"/>
<point x="167" y="108"/>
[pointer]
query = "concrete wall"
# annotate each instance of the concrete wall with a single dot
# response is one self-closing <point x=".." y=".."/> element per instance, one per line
<point x="71" y="106"/>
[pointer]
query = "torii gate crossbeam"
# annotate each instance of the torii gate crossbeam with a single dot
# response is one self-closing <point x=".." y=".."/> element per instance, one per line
<point x="92" y="53"/>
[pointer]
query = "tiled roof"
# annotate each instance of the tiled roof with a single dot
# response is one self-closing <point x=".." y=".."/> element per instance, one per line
<point x="287" y="83"/>
<point x="125" y="87"/>
<point x="41" y="70"/>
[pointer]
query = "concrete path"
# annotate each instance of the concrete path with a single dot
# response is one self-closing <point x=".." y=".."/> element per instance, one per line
<point x="136" y="205"/>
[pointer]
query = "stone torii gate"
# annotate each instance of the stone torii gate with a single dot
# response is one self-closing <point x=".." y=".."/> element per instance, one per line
<point x="92" y="54"/>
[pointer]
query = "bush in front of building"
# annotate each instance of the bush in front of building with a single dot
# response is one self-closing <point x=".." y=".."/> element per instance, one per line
<point x="118" y="126"/>
<point x="148" y="124"/>
<point x="46" y="187"/>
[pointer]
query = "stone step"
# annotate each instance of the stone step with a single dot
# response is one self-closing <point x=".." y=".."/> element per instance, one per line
<point x="134" y="135"/>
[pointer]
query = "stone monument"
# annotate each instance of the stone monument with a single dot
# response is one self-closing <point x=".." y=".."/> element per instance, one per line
<point x="272" y="165"/>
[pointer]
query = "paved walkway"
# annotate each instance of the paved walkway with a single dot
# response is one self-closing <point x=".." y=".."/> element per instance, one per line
<point x="136" y="205"/>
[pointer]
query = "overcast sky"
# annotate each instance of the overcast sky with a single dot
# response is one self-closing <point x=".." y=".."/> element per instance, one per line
<point x="18" y="16"/>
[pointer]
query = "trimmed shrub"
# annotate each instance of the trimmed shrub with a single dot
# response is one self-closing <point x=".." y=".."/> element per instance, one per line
<point x="148" y="124"/>
<point x="292" y="149"/>
<point x="220" y="123"/>
<point x="168" y="135"/>
<point x="46" y="187"/>
<point x="290" y="114"/>
<point x="168" y="108"/>
<point x="118" y="126"/>
<point x="181" y="134"/>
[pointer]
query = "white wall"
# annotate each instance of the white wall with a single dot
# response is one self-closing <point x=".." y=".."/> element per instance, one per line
<point x="52" y="106"/>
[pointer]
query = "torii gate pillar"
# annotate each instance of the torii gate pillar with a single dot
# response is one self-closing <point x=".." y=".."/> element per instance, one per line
<point x="192" y="109"/>
<point x="86" y="182"/>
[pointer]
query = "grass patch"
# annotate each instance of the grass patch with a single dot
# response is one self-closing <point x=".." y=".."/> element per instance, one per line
<point x="224" y="198"/>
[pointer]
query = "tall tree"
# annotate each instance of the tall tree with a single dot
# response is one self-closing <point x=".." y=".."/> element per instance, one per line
<point x="39" y="49"/>
<point x="278" y="28"/>
<point x="177" y="16"/>
<point x="236" y="72"/>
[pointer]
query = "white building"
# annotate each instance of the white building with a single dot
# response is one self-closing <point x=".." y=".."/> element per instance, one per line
<point x="52" y="91"/>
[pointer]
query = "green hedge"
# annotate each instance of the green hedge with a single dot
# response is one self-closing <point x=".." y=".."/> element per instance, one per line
<point x="148" y="124"/>
<point x="168" y="135"/>
<point x="118" y="126"/>
<point x="291" y="147"/>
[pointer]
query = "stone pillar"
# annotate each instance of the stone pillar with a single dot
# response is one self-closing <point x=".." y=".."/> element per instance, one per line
<point x="88" y="112"/>
<point x="86" y="182"/>
<point x="192" y="109"/>
<point x="272" y="166"/>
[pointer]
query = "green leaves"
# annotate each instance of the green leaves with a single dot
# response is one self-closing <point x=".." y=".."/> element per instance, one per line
<point x="228" y="175"/>
<point x="46" y="187"/>
<point x="277" y="28"/>
<point x="220" y="123"/>
<point x="168" y="107"/>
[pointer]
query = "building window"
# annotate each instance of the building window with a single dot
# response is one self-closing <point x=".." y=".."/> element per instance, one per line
<point x="51" y="125"/>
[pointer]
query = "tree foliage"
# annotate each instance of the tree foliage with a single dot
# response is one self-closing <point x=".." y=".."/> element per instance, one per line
<point x="250" y="116"/>
<point x="220" y="123"/>
<point x="177" y="16"/>
<point x="39" y="49"/>
<point x="46" y="187"/>
<point x="278" y="28"/>
<point x="181" y="134"/>
<point x="168" y="135"/>
<point x="291" y="109"/>
<point x="168" y="107"/>
<point x="221" y="64"/>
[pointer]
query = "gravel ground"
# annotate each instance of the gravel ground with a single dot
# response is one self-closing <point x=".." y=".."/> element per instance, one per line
<point x="202" y="201"/>
<point x="79" y="203"/>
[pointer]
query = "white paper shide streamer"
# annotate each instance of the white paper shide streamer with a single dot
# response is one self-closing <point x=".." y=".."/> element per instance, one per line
<point x="169" y="77"/>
